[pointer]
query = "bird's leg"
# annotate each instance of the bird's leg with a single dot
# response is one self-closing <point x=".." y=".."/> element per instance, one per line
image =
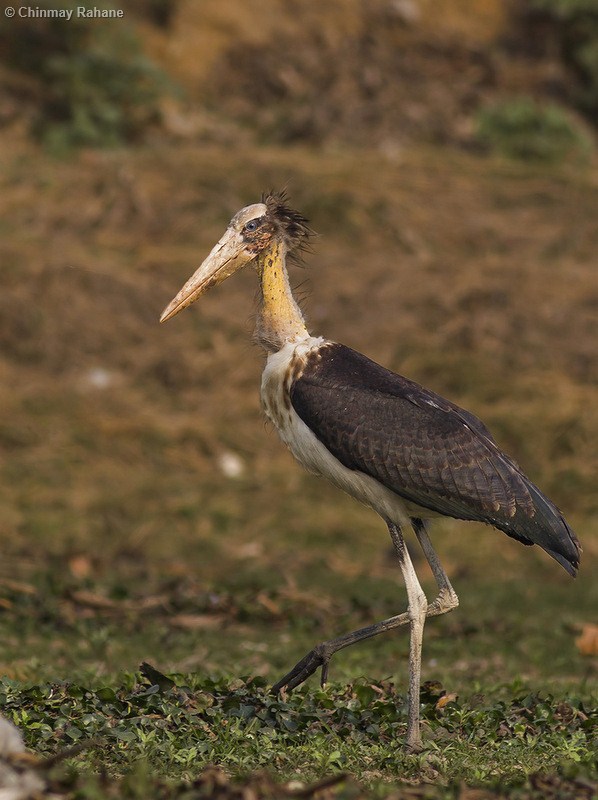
<point x="447" y="597"/>
<point x="417" y="610"/>
<point x="322" y="653"/>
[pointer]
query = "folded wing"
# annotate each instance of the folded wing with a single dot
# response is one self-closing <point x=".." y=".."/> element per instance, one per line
<point x="423" y="447"/>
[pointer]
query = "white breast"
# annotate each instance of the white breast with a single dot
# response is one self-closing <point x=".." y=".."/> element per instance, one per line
<point x="278" y="375"/>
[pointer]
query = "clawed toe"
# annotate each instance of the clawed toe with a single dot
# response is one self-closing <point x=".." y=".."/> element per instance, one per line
<point x="316" y="658"/>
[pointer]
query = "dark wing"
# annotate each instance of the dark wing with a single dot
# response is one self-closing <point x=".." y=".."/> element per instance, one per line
<point x="423" y="447"/>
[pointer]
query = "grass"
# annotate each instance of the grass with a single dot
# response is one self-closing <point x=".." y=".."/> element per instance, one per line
<point x="520" y="128"/>
<point x="487" y="723"/>
<point x="179" y="724"/>
<point x="175" y="724"/>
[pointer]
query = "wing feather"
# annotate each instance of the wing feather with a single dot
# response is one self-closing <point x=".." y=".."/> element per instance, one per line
<point x="423" y="447"/>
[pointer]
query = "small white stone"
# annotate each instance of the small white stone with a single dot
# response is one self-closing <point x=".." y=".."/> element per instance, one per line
<point x="230" y="464"/>
<point x="407" y="10"/>
<point x="15" y="783"/>
<point x="11" y="740"/>
<point x="99" y="378"/>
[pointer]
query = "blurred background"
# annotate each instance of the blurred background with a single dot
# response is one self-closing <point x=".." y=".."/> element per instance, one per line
<point x="445" y="151"/>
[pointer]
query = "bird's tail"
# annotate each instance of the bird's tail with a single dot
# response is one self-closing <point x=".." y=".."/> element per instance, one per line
<point x="547" y="528"/>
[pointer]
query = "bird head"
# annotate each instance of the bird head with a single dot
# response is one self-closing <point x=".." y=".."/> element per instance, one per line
<point x="250" y="233"/>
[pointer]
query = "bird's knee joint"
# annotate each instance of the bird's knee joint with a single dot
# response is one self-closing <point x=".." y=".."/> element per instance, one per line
<point x="446" y="601"/>
<point x="449" y="599"/>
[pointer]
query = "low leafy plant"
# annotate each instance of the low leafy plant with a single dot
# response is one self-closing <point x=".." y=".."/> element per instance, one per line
<point x="90" y="85"/>
<point x="572" y="25"/>
<point x="523" y="129"/>
<point x="182" y="724"/>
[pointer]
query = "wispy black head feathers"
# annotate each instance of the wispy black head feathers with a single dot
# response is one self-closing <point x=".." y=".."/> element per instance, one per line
<point x="290" y="223"/>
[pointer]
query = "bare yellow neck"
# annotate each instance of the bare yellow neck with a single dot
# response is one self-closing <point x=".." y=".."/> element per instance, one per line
<point x="279" y="319"/>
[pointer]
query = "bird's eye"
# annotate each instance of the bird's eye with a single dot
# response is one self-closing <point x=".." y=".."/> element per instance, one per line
<point x="252" y="225"/>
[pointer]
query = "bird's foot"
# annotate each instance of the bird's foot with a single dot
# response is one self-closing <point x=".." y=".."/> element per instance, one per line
<point x="318" y="657"/>
<point x="413" y="745"/>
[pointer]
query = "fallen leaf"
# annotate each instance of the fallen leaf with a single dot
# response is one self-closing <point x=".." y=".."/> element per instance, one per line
<point x="196" y="621"/>
<point x="18" y="586"/>
<point x="80" y="566"/>
<point x="587" y="642"/>
<point x="269" y="604"/>
<point x="147" y="603"/>
<point x="469" y="793"/>
<point x="155" y="677"/>
<point x="450" y="697"/>
<point x="83" y="597"/>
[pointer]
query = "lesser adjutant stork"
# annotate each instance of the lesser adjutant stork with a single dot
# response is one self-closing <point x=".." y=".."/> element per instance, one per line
<point x="399" y="448"/>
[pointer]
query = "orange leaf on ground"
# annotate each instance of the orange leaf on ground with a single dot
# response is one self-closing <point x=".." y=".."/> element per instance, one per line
<point x="196" y="621"/>
<point x="587" y="642"/>
<point x="80" y="566"/>
<point x="451" y="697"/>
<point x="18" y="586"/>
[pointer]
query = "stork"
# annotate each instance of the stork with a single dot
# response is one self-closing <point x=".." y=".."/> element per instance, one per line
<point x="397" y="447"/>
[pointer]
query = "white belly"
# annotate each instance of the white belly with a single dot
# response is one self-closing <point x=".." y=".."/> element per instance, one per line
<point x="309" y="451"/>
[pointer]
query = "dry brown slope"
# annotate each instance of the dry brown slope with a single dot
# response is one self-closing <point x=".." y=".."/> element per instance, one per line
<point x="474" y="277"/>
